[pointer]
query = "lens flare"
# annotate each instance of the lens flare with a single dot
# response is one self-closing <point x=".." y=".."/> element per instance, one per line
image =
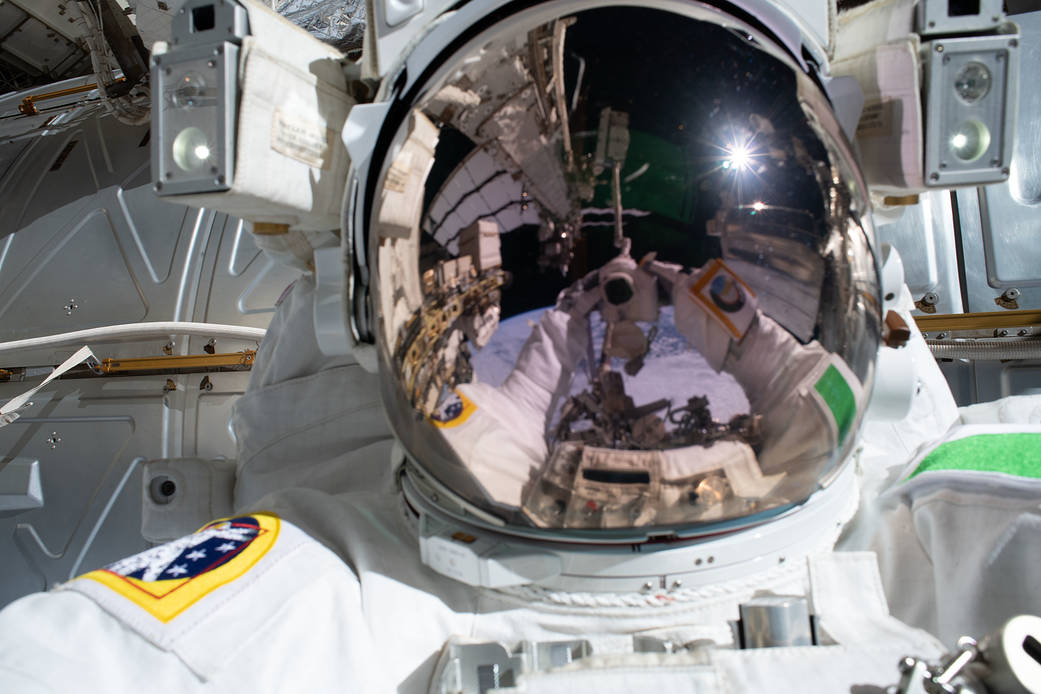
<point x="738" y="158"/>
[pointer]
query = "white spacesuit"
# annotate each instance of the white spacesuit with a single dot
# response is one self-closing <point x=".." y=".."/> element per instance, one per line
<point x="498" y="431"/>
<point x="333" y="595"/>
<point x="494" y="546"/>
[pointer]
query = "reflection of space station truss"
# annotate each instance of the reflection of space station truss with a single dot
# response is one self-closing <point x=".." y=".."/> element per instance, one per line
<point x="606" y="416"/>
<point x="458" y="301"/>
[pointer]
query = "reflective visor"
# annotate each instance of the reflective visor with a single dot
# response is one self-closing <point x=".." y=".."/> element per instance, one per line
<point x="623" y="277"/>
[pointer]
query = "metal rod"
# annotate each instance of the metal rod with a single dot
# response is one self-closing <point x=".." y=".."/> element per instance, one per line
<point x="978" y="321"/>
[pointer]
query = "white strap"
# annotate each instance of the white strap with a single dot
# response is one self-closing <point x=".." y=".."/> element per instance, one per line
<point x="8" y="413"/>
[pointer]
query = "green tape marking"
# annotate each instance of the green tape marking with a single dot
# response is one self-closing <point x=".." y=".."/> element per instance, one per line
<point x="1012" y="454"/>
<point x="833" y="388"/>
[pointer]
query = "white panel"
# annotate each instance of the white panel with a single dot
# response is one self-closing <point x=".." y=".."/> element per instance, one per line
<point x="80" y="282"/>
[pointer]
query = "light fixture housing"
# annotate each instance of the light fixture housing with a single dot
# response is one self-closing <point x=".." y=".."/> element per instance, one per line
<point x="970" y="91"/>
<point x="195" y="99"/>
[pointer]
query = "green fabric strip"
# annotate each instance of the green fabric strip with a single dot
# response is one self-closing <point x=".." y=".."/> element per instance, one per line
<point x="839" y="398"/>
<point x="1012" y="454"/>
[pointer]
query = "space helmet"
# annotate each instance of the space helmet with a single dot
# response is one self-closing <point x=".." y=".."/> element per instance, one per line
<point x="622" y="284"/>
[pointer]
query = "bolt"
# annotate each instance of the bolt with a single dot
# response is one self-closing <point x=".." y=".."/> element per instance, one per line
<point x="934" y="176"/>
<point x="676" y="585"/>
<point x="697" y="562"/>
<point x="647" y="586"/>
<point x="1001" y="333"/>
<point x="168" y="348"/>
<point x="1011" y="294"/>
<point x="70" y="307"/>
<point x="939" y="48"/>
<point x="54" y="439"/>
<point x="1012" y="43"/>
<point x="931" y="298"/>
<point x="1023" y="332"/>
<point x="1005" y="171"/>
<point x="942" y="336"/>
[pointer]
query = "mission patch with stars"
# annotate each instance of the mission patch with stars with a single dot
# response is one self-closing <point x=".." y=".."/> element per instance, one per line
<point x="168" y="579"/>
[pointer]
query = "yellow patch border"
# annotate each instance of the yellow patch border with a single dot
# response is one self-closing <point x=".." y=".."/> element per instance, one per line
<point x="468" y="409"/>
<point x="716" y="267"/>
<point x="166" y="599"/>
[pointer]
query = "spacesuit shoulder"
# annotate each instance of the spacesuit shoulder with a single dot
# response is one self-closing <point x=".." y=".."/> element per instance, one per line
<point x="198" y="609"/>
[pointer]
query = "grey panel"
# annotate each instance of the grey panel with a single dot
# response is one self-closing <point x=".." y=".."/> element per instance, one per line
<point x="248" y="282"/>
<point x="243" y="251"/>
<point x="213" y="437"/>
<point x="995" y="380"/>
<point x="10" y="18"/>
<point x="79" y="455"/>
<point x="924" y="238"/>
<point x="143" y="213"/>
<point x="35" y="303"/>
<point x="39" y="45"/>
<point x="984" y="293"/>
<point x="54" y="14"/>
<point x="961" y="378"/>
<point x="1010" y="213"/>
<point x="91" y="228"/>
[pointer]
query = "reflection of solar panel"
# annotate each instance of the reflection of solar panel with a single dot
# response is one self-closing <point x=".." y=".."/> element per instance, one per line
<point x="774" y="249"/>
<point x="481" y="187"/>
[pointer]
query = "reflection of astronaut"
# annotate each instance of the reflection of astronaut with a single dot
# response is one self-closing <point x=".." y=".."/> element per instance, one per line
<point x="803" y="397"/>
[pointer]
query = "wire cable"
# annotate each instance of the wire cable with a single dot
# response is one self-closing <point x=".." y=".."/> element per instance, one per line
<point x="133" y="331"/>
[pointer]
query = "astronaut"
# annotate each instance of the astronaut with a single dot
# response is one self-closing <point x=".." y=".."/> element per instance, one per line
<point x="433" y="555"/>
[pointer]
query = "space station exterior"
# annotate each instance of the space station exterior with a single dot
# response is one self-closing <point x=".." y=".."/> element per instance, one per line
<point x="508" y="346"/>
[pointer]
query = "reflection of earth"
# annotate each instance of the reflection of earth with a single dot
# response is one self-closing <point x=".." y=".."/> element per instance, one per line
<point x="671" y="368"/>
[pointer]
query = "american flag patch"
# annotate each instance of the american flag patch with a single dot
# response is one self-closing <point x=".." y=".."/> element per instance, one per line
<point x="167" y="579"/>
